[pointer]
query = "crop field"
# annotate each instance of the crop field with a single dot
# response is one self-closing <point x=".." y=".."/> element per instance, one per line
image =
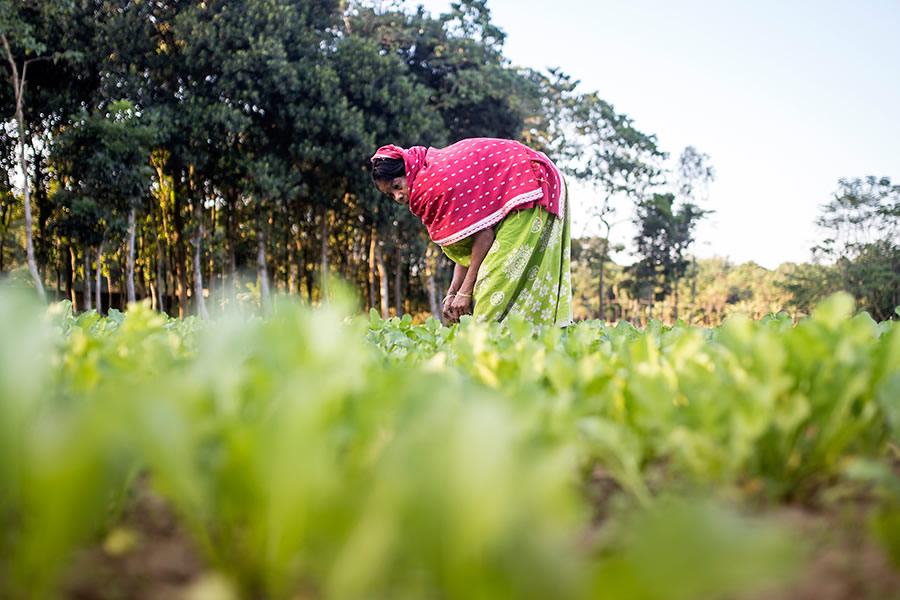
<point x="316" y="455"/>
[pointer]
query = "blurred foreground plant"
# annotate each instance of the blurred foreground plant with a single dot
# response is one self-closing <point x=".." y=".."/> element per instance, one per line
<point x="312" y="453"/>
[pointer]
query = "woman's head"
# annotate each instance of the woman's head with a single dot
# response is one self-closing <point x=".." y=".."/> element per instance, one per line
<point x="390" y="177"/>
<point x="386" y="169"/>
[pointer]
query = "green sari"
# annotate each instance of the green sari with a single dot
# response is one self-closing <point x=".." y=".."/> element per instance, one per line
<point x="526" y="271"/>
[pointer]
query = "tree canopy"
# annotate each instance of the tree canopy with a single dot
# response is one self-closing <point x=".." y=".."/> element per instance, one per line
<point x="211" y="151"/>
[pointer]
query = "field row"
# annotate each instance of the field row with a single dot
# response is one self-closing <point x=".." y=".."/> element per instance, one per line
<point x="318" y="455"/>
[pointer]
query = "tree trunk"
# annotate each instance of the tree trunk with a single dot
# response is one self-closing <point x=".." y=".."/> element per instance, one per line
<point x="109" y="287"/>
<point x="300" y="255"/>
<point x="141" y="265"/>
<point x="211" y="266"/>
<point x="154" y="299"/>
<point x="129" y="257"/>
<point x="398" y="283"/>
<point x="4" y="226"/>
<point x="29" y="234"/>
<point x="323" y="235"/>
<point x="198" y="276"/>
<point x="261" y="267"/>
<point x="223" y="277"/>
<point x="291" y="255"/>
<point x="88" y="305"/>
<point x="156" y="296"/>
<point x="196" y="241"/>
<point x="120" y="283"/>
<point x="603" y="256"/>
<point x="171" y="294"/>
<point x="160" y="303"/>
<point x="232" y="276"/>
<point x="100" y="273"/>
<point x="58" y="272"/>
<point x="675" y="308"/>
<point x="300" y="252"/>
<point x="430" y="267"/>
<point x="308" y="271"/>
<point x="162" y="261"/>
<point x="371" y="269"/>
<point x="273" y="258"/>
<point x="383" y="278"/>
<point x="230" y="264"/>
<point x="43" y="243"/>
<point x="600" y="313"/>
<point x="70" y="277"/>
<point x="181" y="284"/>
<point x="693" y="289"/>
<point x="19" y="88"/>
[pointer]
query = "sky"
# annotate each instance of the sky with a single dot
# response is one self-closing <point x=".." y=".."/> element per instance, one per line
<point x="786" y="98"/>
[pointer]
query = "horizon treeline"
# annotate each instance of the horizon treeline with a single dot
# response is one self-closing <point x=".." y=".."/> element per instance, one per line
<point x="211" y="153"/>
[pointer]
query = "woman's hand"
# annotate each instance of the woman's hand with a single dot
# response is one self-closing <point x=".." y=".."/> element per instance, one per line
<point x="464" y="278"/>
<point x="457" y="306"/>
<point x="445" y="307"/>
<point x="459" y="275"/>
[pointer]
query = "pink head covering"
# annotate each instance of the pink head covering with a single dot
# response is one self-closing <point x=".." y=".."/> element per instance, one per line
<point x="414" y="159"/>
<point x="473" y="184"/>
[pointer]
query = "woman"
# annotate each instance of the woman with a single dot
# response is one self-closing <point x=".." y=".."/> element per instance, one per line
<point x="499" y="210"/>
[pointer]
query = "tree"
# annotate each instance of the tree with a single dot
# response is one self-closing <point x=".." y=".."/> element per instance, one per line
<point x="394" y="106"/>
<point x="103" y="161"/>
<point x="8" y="200"/>
<point x="695" y="173"/>
<point x="664" y="233"/>
<point x="457" y="57"/>
<point x="860" y="253"/>
<point x="861" y="212"/>
<point x="589" y="258"/>
<point x="17" y="36"/>
<point x="261" y="145"/>
<point x="598" y="145"/>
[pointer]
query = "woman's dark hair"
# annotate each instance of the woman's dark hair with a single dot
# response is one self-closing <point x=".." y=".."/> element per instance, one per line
<point x="388" y="169"/>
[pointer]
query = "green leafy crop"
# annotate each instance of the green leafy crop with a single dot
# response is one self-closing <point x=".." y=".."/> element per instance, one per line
<point x="324" y="456"/>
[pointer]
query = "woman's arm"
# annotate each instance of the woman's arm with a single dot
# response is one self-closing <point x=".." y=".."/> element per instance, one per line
<point x="461" y="303"/>
<point x="459" y="274"/>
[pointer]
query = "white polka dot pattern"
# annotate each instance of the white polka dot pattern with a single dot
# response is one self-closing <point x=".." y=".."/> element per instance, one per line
<point x="454" y="200"/>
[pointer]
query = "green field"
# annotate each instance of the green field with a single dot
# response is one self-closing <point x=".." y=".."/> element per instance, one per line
<point x="318" y="455"/>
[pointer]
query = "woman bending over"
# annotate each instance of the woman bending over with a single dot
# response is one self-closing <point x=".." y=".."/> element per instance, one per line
<point x="499" y="210"/>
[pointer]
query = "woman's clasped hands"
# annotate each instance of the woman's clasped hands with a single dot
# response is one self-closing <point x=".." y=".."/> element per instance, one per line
<point x="456" y="304"/>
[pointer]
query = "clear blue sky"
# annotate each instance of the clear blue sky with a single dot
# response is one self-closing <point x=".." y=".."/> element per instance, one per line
<point x="785" y="97"/>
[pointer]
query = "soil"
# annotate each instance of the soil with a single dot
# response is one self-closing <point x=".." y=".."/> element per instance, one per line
<point x="845" y="564"/>
<point x="151" y="557"/>
<point x="154" y="560"/>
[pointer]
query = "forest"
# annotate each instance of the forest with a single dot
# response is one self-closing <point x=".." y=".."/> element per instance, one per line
<point x="207" y="154"/>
